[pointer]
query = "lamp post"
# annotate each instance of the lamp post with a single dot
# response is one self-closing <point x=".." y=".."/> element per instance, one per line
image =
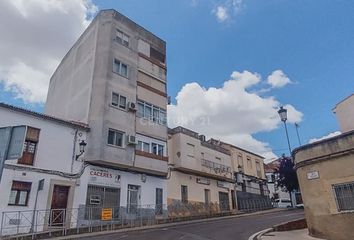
<point x="82" y="146"/>
<point x="283" y="114"/>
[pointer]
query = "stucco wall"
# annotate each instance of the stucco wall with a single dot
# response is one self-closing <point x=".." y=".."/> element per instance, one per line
<point x="345" y="114"/>
<point x="195" y="190"/>
<point x="327" y="162"/>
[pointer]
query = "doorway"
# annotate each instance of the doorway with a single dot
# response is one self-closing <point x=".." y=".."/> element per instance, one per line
<point x="224" y="201"/>
<point x="58" y="205"/>
<point x="133" y="198"/>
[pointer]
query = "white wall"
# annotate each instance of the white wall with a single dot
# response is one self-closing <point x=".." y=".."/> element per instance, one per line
<point x="55" y="146"/>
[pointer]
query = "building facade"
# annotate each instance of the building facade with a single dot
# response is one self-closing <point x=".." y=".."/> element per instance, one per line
<point x="326" y="178"/>
<point x="201" y="174"/>
<point x="251" y="184"/>
<point x="114" y="80"/>
<point x="48" y="174"/>
<point x="275" y="192"/>
<point x="344" y="111"/>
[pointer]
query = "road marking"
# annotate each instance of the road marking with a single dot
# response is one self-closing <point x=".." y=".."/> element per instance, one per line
<point x="260" y="233"/>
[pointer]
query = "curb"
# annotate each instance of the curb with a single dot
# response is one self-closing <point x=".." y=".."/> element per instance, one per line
<point x="258" y="235"/>
<point x="164" y="225"/>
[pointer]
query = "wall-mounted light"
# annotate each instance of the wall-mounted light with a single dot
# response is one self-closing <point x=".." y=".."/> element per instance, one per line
<point x="82" y="146"/>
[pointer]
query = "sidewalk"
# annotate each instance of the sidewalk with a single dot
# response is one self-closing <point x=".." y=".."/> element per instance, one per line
<point x="289" y="235"/>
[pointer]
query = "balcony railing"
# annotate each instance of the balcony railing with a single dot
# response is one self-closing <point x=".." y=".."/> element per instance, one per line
<point x="216" y="166"/>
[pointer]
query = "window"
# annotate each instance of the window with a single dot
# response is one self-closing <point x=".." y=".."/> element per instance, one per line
<point x="155" y="54"/>
<point x="119" y="101"/>
<point x="184" y="194"/>
<point x="98" y="197"/>
<point x="258" y="169"/>
<point x="218" y="159"/>
<point x="120" y="68"/>
<point x="151" y="112"/>
<point x="154" y="148"/>
<point x="19" y="193"/>
<point x="115" y="138"/>
<point x="190" y="150"/>
<point x="160" y="150"/>
<point x="240" y="160"/>
<point x="344" y="195"/>
<point x="122" y="38"/>
<point x="249" y="163"/>
<point x="30" y="146"/>
<point x="207" y="196"/>
<point x="143" y="146"/>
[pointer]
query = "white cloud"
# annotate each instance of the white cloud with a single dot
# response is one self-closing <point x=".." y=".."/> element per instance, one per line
<point x="221" y="13"/>
<point x="227" y="9"/>
<point x="231" y="113"/>
<point x="35" y="35"/>
<point x="278" y="79"/>
<point x="332" y="134"/>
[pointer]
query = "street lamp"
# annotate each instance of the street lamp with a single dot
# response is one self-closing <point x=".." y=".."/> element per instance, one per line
<point x="82" y="146"/>
<point x="283" y="114"/>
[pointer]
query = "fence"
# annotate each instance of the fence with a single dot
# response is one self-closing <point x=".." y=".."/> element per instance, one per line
<point x="59" y="222"/>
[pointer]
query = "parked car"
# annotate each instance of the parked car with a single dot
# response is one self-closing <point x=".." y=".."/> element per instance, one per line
<point x="282" y="203"/>
<point x="299" y="205"/>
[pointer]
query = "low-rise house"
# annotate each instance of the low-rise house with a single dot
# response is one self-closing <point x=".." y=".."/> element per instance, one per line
<point x="201" y="175"/>
<point x="251" y="185"/>
<point x="275" y="192"/>
<point x="326" y="177"/>
<point x="48" y="174"/>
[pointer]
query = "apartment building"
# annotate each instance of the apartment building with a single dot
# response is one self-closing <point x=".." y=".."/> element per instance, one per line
<point x="201" y="173"/>
<point x="251" y="184"/>
<point x="114" y="79"/>
<point x="43" y="173"/>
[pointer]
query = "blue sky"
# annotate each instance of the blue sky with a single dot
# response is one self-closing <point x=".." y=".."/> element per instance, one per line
<point x="312" y="42"/>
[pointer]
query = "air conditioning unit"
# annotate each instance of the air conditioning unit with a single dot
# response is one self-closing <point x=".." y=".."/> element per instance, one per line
<point x="131" y="106"/>
<point x="132" y="140"/>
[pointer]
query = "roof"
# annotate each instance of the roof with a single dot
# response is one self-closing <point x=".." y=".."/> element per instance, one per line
<point x="242" y="149"/>
<point x="195" y="135"/>
<point x="310" y="145"/>
<point x="272" y="166"/>
<point x="45" y="116"/>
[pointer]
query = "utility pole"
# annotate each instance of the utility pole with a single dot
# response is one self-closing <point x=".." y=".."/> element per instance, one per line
<point x="297" y="132"/>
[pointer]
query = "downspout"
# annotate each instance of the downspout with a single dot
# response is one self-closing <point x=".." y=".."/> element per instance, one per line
<point x="74" y="152"/>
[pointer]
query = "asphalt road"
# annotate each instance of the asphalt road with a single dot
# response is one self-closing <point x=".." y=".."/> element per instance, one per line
<point x="239" y="228"/>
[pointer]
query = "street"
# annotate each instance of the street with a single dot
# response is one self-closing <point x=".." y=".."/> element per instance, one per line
<point x="238" y="228"/>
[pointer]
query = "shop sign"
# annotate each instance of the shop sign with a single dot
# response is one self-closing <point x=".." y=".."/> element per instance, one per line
<point x="205" y="181"/>
<point x="104" y="176"/>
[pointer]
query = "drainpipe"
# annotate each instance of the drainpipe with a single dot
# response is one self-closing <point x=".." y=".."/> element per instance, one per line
<point x="73" y="158"/>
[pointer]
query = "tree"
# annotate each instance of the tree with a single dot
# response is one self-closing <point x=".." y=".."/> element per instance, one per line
<point x="287" y="178"/>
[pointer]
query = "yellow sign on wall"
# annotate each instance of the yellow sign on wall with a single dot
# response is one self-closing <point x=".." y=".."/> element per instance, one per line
<point x="106" y="214"/>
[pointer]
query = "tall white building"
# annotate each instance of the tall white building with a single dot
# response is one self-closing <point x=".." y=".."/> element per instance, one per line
<point x="114" y="79"/>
